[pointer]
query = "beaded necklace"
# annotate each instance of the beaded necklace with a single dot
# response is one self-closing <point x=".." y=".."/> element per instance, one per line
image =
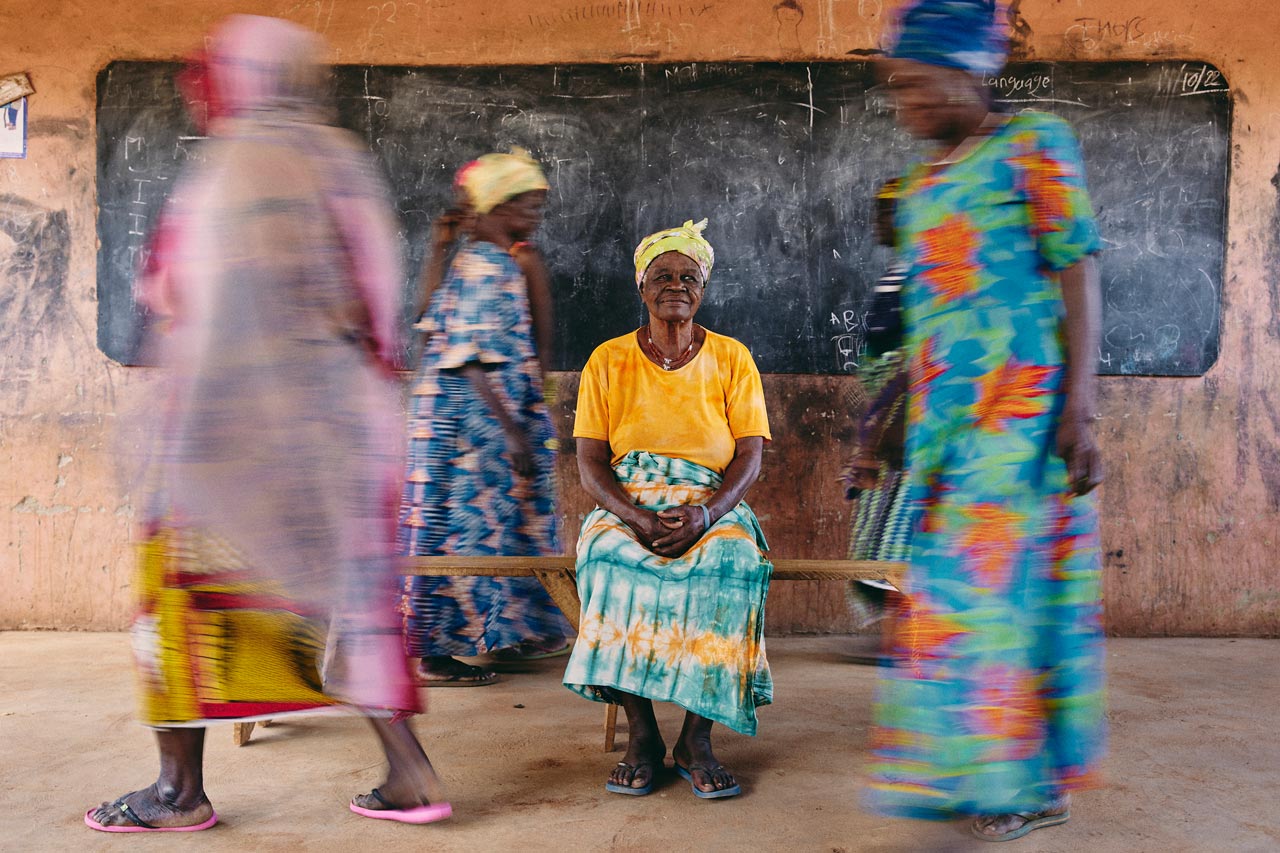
<point x="668" y="363"/>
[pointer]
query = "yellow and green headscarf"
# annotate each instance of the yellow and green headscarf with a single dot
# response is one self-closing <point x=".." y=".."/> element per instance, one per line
<point x="687" y="240"/>
<point x="495" y="178"/>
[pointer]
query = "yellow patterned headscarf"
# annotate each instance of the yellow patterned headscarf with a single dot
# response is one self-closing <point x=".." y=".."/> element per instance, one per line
<point x="687" y="240"/>
<point x="890" y="190"/>
<point x="496" y="178"/>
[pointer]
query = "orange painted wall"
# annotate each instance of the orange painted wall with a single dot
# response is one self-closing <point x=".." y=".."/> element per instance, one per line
<point x="1194" y="491"/>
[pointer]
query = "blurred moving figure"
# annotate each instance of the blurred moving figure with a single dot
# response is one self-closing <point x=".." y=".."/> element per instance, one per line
<point x="994" y="707"/>
<point x="480" y="474"/>
<point x="268" y="524"/>
<point x="449" y="233"/>
<point x="873" y="476"/>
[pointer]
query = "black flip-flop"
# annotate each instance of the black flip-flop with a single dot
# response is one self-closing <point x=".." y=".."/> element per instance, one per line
<point x="466" y="676"/>
<point x="137" y="824"/>
<point x="530" y="652"/>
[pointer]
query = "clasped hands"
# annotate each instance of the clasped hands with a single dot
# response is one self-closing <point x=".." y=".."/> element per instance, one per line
<point x="669" y="532"/>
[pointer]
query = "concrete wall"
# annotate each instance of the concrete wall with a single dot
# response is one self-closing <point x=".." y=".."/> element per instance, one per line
<point x="1191" y="505"/>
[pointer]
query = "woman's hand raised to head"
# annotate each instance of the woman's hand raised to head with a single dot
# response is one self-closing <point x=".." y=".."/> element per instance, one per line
<point x="448" y="227"/>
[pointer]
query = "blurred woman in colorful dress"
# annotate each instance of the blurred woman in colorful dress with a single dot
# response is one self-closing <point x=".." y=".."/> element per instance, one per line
<point x="480" y="475"/>
<point x="995" y="705"/>
<point x="266" y="570"/>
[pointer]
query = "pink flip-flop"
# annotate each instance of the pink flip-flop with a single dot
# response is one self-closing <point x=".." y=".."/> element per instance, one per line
<point x="140" y="825"/>
<point x="419" y="814"/>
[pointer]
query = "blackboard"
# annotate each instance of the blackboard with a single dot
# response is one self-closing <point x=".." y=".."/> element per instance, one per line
<point x="782" y="158"/>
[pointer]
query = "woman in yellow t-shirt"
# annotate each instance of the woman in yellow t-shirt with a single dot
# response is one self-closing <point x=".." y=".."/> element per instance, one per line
<point x="670" y="427"/>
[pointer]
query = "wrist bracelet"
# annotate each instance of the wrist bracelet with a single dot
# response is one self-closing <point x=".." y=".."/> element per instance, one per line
<point x="706" y="516"/>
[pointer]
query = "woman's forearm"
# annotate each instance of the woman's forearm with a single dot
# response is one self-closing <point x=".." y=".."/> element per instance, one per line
<point x="538" y="280"/>
<point x="1081" y="296"/>
<point x="1075" y="442"/>
<point x="598" y="478"/>
<point x="432" y="277"/>
<point x="738" y="477"/>
<point x="479" y="379"/>
<point x="445" y="231"/>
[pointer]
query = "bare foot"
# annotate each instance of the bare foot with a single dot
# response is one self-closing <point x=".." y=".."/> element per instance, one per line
<point x="161" y="809"/>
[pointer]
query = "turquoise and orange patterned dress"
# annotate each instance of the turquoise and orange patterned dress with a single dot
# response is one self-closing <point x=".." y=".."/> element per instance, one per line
<point x="461" y="495"/>
<point x="995" y="702"/>
<point x="689" y="629"/>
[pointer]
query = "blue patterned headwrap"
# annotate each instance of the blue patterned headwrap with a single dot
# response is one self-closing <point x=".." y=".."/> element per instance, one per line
<point x="972" y="35"/>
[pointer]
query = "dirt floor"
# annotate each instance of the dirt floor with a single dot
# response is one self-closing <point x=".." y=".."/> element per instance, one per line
<point x="1195" y="763"/>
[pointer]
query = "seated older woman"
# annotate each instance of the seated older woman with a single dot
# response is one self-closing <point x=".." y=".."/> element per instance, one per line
<point x="670" y="426"/>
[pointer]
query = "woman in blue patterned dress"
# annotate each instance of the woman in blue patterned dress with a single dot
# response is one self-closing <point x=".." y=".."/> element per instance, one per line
<point x="995" y="706"/>
<point x="481" y="445"/>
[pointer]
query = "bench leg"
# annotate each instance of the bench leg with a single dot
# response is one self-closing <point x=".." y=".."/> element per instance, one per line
<point x="561" y="585"/>
<point x="610" y="726"/>
<point x="240" y="733"/>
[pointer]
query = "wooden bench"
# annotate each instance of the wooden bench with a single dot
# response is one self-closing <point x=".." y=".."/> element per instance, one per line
<point x="557" y="575"/>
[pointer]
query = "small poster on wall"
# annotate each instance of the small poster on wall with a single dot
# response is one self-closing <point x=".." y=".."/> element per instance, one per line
<point x="13" y="129"/>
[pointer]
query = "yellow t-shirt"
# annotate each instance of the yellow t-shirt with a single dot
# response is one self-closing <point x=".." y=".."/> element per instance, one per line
<point x="696" y="412"/>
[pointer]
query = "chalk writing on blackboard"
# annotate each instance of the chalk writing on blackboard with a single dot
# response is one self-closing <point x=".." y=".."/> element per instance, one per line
<point x="850" y="341"/>
<point x="783" y="158"/>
